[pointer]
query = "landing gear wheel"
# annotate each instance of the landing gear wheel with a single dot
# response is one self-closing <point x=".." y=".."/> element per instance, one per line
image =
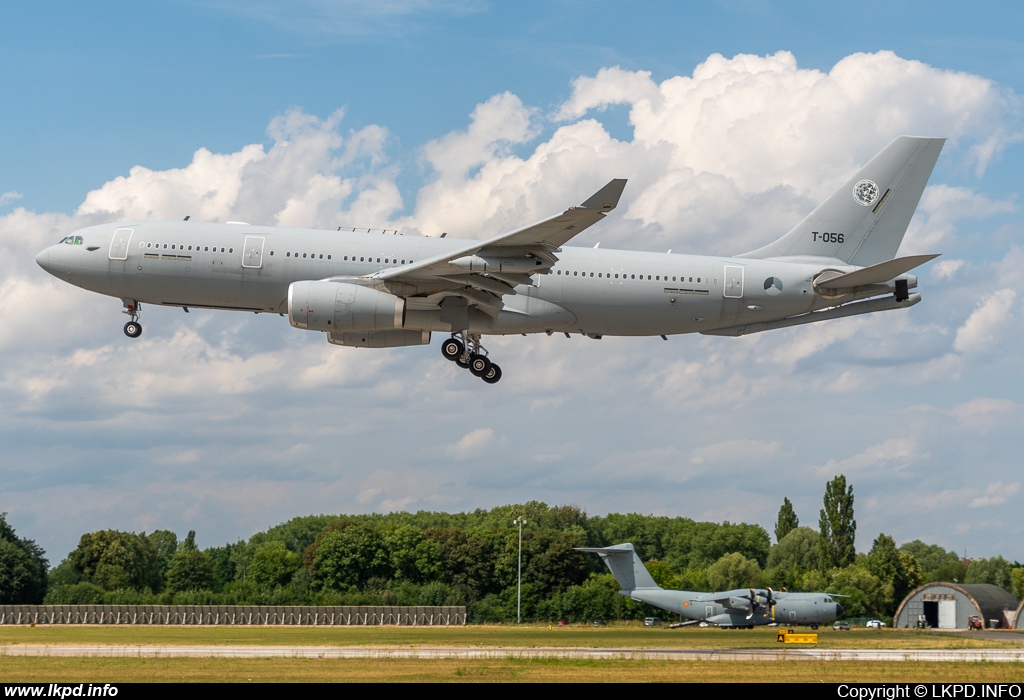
<point x="133" y="329"/>
<point x="462" y="361"/>
<point x="452" y="349"/>
<point x="479" y="364"/>
<point x="492" y="375"/>
<point x="814" y="627"/>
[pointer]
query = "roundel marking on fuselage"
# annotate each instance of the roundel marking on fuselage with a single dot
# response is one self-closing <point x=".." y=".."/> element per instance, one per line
<point x="773" y="286"/>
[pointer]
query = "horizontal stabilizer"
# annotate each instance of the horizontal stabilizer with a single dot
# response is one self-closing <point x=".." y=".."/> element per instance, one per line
<point x="875" y="274"/>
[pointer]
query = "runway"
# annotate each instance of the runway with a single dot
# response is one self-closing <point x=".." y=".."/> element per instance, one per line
<point x="304" y="652"/>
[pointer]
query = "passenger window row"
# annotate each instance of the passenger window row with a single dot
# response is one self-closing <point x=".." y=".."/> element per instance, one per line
<point x="288" y="254"/>
<point x="174" y="246"/>
<point x="346" y="258"/>
<point x="609" y="275"/>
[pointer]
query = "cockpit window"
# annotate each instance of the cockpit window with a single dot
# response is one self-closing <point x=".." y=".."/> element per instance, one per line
<point x="71" y="240"/>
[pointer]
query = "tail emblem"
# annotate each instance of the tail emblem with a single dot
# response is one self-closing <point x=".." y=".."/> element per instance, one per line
<point x="865" y="193"/>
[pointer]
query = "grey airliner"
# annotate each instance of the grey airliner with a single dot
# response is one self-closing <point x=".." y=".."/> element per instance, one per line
<point x="743" y="607"/>
<point x="377" y="289"/>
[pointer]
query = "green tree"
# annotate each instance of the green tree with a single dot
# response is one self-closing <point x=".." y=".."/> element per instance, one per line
<point x="22" y="567"/>
<point x="787" y="520"/>
<point x="792" y="557"/>
<point x="936" y="563"/>
<point x="115" y="560"/>
<point x="467" y="559"/>
<point x="837" y="527"/>
<point x="995" y="570"/>
<point x="1017" y="577"/>
<point x="866" y="594"/>
<point x="273" y="564"/>
<point x="893" y="568"/>
<point x="798" y="549"/>
<point x="734" y="571"/>
<point x="349" y="557"/>
<point x="164" y="544"/>
<point x="190" y="569"/>
<point x="663" y="574"/>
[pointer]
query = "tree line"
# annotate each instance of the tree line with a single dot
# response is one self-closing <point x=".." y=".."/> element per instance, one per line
<point x="430" y="558"/>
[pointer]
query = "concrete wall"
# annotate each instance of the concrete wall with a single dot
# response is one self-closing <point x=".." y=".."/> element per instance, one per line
<point x="231" y="615"/>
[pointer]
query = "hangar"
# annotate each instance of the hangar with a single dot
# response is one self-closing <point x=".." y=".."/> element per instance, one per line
<point x="1018" y="622"/>
<point x="948" y="605"/>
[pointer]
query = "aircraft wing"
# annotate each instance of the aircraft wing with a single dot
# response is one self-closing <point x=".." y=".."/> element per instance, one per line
<point x="484" y="271"/>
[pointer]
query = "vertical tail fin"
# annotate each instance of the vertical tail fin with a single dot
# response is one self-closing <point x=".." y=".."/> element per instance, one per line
<point x="864" y="221"/>
<point x="625" y="566"/>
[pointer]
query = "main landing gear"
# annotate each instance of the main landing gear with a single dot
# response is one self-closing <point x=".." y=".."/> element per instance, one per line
<point x="465" y="350"/>
<point x="132" y="329"/>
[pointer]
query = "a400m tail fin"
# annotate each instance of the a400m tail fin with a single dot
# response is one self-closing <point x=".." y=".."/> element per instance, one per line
<point x="625" y="566"/>
<point x="863" y="222"/>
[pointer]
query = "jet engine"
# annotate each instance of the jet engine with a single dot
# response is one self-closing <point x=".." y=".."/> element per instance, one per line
<point x="338" y="307"/>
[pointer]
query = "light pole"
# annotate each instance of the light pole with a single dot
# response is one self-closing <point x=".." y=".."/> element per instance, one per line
<point x="519" y="581"/>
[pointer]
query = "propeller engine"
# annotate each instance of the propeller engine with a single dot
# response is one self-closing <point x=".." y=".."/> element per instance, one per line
<point x="755" y="602"/>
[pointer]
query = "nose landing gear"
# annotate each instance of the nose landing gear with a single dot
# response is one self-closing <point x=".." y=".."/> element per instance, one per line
<point x="132" y="329"/>
<point x="466" y="351"/>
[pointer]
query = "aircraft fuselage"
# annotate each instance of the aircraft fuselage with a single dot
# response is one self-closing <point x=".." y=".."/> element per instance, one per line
<point x="790" y="608"/>
<point x="596" y="291"/>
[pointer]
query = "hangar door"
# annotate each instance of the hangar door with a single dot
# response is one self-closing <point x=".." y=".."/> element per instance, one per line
<point x="940" y="613"/>
<point x="947" y="614"/>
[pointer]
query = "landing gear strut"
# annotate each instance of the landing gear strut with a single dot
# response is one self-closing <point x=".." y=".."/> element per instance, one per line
<point x="466" y="351"/>
<point x="132" y="329"/>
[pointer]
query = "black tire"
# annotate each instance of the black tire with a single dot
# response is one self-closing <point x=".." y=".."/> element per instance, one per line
<point x="493" y="375"/>
<point x="462" y="361"/>
<point x="479" y="364"/>
<point x="452" y="349"/>
<point x="133" y="329"/>
<point x="814" y="627"/>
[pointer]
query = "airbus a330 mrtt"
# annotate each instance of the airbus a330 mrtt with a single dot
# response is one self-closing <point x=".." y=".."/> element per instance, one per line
<point x="380" y="290"/>
<point x="742" y="607"/>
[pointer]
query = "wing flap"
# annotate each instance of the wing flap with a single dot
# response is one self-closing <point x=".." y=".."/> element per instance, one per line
<point x="508" y="260"/>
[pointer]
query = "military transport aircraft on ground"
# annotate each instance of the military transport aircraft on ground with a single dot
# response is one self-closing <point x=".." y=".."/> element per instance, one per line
<point x="380" y="290"/>
<point x="743" y="607"/>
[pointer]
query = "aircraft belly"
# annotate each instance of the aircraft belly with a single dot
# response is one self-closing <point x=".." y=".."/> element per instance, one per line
<point x="246" y="289"/>
<point x="652" y="315"/>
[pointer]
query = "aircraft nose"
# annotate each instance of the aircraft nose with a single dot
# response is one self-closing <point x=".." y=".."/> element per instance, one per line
<point x="43" y="259"/>
<point x="839" y="610"/>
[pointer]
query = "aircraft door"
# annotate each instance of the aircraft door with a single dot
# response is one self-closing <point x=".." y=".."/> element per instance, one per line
<point x="119" y="244"/>
<point x="709" y="611"/>
<point x="733" y="287"/>
<point x="252" y="252"/>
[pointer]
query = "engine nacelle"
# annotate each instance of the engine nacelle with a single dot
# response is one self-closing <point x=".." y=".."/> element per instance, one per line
<point x="739" y="603"/>
<point x="340" y="307"/>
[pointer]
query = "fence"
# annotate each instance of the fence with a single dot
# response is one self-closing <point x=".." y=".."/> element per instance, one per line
<point x="231" y="615"/>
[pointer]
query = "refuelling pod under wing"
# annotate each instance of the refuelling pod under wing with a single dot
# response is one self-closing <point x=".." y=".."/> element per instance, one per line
<point x="337" y="307"/>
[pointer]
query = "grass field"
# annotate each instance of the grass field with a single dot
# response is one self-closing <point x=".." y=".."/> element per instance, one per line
<point x="545" y="670"/>
<point x="52" y="669"/>
<point x="611" y="636"/>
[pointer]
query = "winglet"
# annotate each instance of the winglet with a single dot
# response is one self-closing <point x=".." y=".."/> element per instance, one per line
<point x="606" y="198"/>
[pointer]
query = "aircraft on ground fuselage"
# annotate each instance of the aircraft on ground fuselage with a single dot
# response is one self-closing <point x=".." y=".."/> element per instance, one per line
<point x="742" y="607"/>
<point x="381" y="290"/>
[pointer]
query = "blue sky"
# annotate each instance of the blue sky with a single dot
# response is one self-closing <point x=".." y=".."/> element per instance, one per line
<point x="228" y="424"/>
